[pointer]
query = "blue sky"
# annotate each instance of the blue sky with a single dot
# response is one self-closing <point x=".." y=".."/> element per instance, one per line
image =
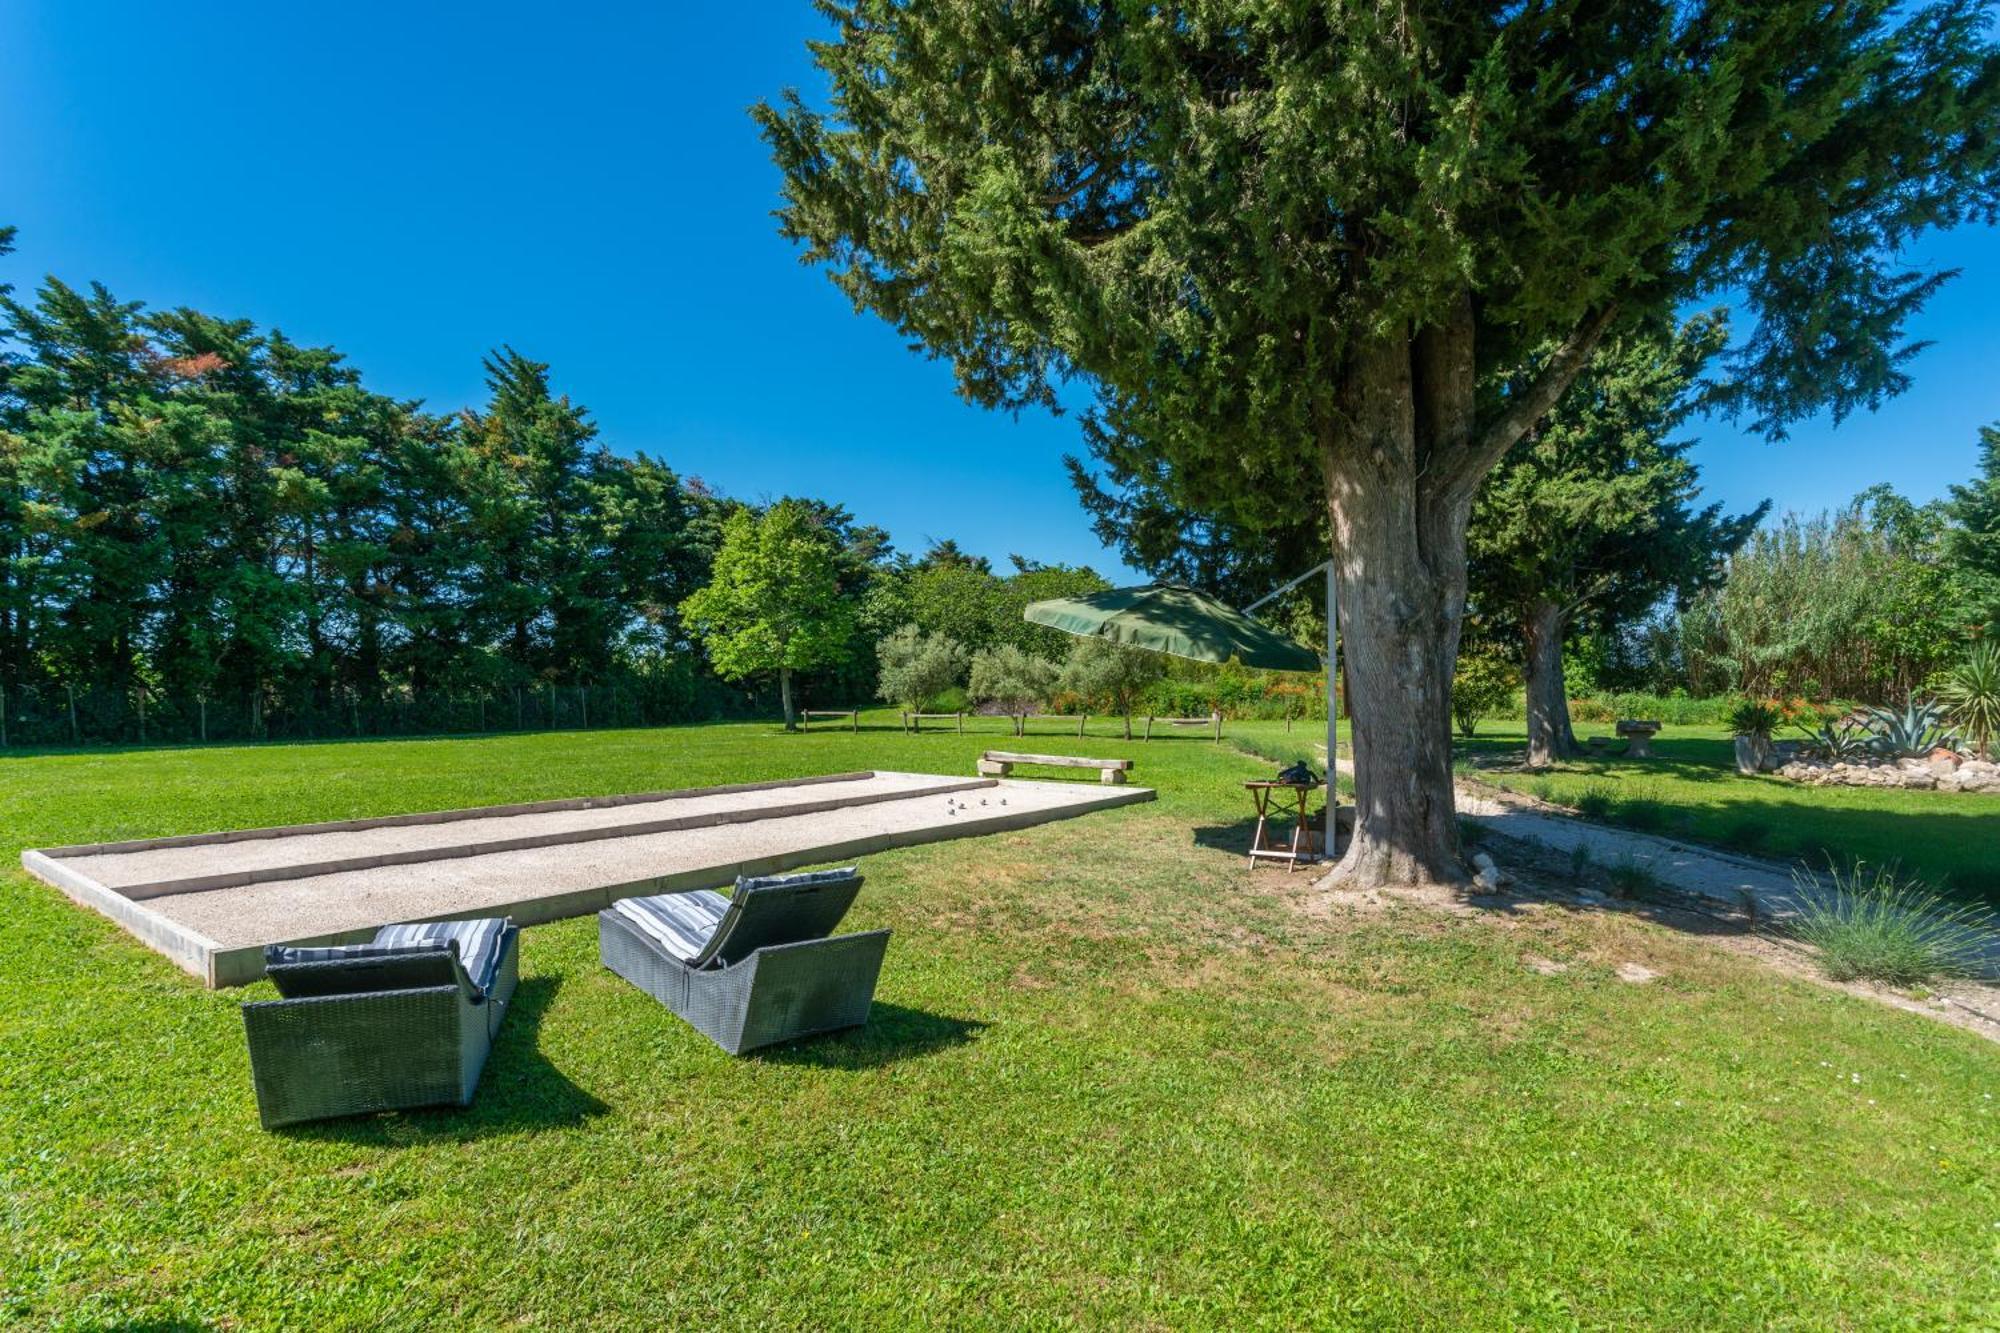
<point x="415" y="184"/>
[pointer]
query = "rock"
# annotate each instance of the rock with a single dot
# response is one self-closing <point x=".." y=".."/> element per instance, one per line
<point x="1486" y="873"/>
<point x="1942" y="763"/>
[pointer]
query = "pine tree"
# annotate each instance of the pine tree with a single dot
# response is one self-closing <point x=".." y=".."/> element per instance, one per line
<point x="1356" y="252"/>
<point x="1589" y="522"/>
<point x="1974" y="545"/>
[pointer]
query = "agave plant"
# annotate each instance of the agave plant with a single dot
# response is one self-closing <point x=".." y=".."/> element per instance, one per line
<point x="1910" y="732"/>
<point x="1972" y="695"/>
<point x="1838" y="739"/>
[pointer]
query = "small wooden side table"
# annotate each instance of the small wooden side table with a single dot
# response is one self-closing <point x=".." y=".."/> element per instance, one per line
<point x="1278" y="802"/>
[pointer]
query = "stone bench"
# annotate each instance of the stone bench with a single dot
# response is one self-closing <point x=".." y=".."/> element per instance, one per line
<point x="1638" y="737"/>
<point x="1212" y="722"/>
<point x="999" y="763"/>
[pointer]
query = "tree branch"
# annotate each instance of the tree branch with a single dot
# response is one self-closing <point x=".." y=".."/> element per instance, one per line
<point x="1528" y="406"/>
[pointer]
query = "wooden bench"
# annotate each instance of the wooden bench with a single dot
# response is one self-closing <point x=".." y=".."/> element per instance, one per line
<point x="999" y="763"/>
<point x="915" y="721"/>
<point x="853" y="716"/>
<point x="1213" y="720"/>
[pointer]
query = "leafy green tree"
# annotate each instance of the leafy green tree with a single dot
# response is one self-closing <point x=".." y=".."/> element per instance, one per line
<point x="1975" y="544"/>
<point x="1018" y="680"/>
<point x="917" y="667"/>
<point x="773" y="602"/>
<point x="1351" y="256"/>
<point x="1590" y="521"/>
<point x="959" y="600"/>
<point x="1110" y="675"/>
<point x="1033" y="581"/>
<point x="1481" y="686"/>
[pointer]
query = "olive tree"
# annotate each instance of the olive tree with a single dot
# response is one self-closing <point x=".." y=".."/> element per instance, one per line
<point x="917" y="667"/>
<point x="1019" y="681"/>
<point x="1354" y="251"/>
<point x="1110" y="675"/>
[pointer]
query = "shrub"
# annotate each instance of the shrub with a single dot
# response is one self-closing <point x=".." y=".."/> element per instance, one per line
<point x="1629" y="879"/>
<point x="950" y="699"/>
<point x="1971" y="692"/>
<point x="1873" y="924"/>
<point x="1543" y="790"/>
<point x="1679" y="710"/>
<point x="1747" y="835"/>
<point x="1594" y="803"/>
<point x="1646" y="816"/>
<point x="1483" y="683"/>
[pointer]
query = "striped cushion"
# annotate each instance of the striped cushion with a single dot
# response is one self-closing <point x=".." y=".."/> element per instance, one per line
<point x="680" y="923"/>
<point x="278" y="955"/>
<point x="478" y="944"/>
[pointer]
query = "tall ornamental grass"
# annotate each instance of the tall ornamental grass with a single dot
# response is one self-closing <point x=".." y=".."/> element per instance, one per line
<point x="1873" y="924"/>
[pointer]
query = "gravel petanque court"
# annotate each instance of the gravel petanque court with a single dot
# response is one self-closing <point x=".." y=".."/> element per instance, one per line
<point x="211" y="902"/>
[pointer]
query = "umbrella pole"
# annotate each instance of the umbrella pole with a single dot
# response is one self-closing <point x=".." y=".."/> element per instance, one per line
<point x="1332" y="710"/>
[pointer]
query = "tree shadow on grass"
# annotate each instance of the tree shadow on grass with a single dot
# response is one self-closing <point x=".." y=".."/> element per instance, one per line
<point x="1684" y="759"/>
<point x="519" y="1092"/>
<point x="893" y="1033"/>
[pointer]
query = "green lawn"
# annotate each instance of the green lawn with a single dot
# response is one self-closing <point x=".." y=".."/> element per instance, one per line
<point x="1111" y="1080"/>
<point x="1692" y="790"/>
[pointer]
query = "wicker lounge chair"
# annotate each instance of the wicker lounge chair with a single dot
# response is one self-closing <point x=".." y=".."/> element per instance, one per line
<point x="758" y="967"/>
<point x="404" y="1020"/>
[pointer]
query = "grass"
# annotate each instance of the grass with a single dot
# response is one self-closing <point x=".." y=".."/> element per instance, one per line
<point x="1874" y="924"/>
<point x="1691" y="790"/>
<point x="1111" y="1080"/>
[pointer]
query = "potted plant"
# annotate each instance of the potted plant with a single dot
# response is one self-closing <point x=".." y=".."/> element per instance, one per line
<point x="1753" y="721"/>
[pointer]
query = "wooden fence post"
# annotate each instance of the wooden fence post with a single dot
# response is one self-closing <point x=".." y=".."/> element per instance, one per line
<point x="142" y="715"/>
<point x="583" y="706"/>
<point x="3" y="717"/>
<point x="201" y="706"/>
<point x="75" y="736"/>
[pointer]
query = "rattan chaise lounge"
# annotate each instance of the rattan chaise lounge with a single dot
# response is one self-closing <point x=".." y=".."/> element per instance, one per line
<point x="404" y="1020"/>
<point x="758" y="967"/>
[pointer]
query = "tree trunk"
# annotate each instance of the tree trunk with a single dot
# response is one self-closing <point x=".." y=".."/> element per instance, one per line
<point x="1399" y="546"/>
<point x="1404" y="453"/>
<point x="785" y="693"/>
<point x="1549" y="735"/>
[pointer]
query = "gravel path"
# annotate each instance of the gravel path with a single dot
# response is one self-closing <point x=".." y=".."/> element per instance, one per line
<point x="1764" y="889"/>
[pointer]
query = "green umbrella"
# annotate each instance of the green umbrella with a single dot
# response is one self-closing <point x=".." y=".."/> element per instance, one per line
<point x="1170" y="619"/>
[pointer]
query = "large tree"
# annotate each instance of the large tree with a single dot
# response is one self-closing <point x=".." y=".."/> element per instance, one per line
<point x="1357" y="250"/>
<point x="1590" y="521"/>
<point x="773" y="604"/>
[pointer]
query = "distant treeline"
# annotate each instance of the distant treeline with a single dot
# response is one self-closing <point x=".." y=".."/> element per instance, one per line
<point x="207" y="525"/>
